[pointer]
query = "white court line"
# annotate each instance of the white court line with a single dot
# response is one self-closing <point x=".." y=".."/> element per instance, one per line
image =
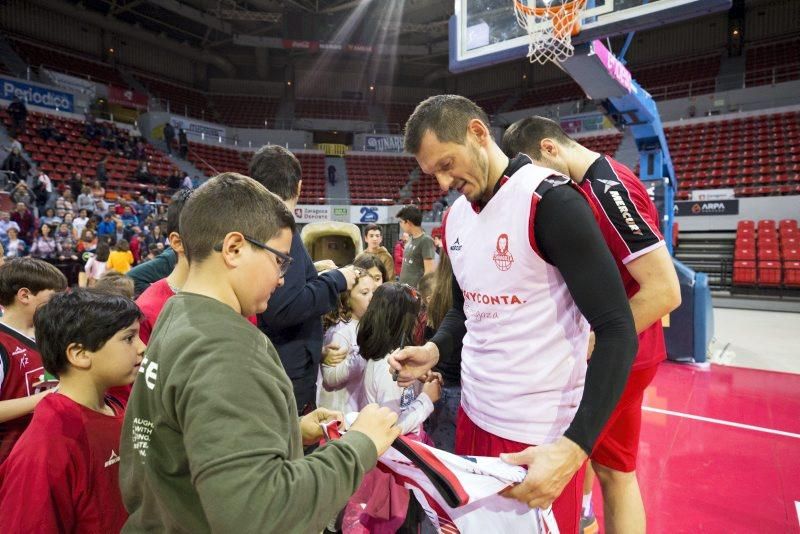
<point x="797" y="507"/>
<point x="723" y="422"/>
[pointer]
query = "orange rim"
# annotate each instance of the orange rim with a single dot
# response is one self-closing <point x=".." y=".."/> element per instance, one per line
<point x="565" y="17"/>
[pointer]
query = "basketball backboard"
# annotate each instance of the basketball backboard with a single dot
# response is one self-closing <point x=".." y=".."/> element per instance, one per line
<point x="486" y="32"/>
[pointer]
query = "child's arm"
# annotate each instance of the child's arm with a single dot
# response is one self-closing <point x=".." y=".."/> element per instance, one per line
<point x="389" y="394"/>
<point x="338" y="376"/>
<point x="14" y="408"/>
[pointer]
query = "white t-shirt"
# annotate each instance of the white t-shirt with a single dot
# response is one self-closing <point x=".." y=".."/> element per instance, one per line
<point x="94" y="268"/>
<point x="410" y="403"/>
<point x="341" y="386"/>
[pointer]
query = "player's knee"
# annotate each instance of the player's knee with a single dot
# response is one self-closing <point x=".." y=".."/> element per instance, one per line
<point x="606" y="475"/>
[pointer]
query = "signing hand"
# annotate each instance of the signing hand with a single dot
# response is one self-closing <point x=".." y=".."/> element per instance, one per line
<point x="410" y="363"/>
<point x="310" y="424"/>
<point x="550" y="468"/>
<point x="324" y="265"/>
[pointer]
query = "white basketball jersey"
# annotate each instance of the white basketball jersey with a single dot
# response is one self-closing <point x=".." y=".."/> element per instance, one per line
<point x="524" y="357"/>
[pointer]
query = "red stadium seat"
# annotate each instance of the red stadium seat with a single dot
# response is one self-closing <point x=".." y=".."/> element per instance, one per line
<point x="768" y="254"/>
<point x="744" y="273"/>
<point x="748" y="254"/>
<point x="769" y="273"/>
<point x="791" y="274"/>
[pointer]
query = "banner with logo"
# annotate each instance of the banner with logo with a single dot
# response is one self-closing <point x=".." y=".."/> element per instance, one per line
<point x="383" y="143"/>
<point x="197" y="127"/>
<point x="340" y="213"/>
<point x="369" y="214"/>
<point x="37" y="95"/>
<point x="72" y="83"/>
<point x="713" y="194"/>
<point x="305" y="213"/>
<point x="126" y="97"/>
<point x="707" y="207"/>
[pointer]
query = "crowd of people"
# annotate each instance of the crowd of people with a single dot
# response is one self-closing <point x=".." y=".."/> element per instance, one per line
<point x="512" y="332"/>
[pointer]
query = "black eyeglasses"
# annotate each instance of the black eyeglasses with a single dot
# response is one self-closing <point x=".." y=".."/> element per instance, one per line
<point x="284" y="260"/>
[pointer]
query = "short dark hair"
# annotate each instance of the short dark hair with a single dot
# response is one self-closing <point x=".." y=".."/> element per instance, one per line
<point x="447" y="116"/>
<point x="174" y="209"/>
<point x="36" y="275"/>
<point x="102" y="251"/>
<point x="372" y="227"/>
<point x="230" y="202"/>
<point x="277" y="169"/>
<point x="525" y="136"/>
<point x="411" y="214"/>
<point x="88" y="317"/>
<point x="388" y="322"/>
<point x="367" y="260"/>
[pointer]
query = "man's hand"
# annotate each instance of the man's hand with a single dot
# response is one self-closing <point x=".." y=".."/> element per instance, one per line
<point x="333" y="355"/>
<point x="324" y="265"/>
<point x="351" y="274"/>
<point x="379" y="425"/>
<point x="410" y="363"/>
<point x="550" y="468"/>
<point x="310" y="424"/>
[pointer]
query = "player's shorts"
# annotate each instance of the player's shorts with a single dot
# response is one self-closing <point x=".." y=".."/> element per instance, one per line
<point x="618" y="445"/>
<point x="474" y="441"/>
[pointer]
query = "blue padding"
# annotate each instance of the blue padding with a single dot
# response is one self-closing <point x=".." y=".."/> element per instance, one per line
<point x="692" y="324"/>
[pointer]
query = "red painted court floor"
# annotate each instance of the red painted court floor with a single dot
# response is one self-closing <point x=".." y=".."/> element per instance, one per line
<point x="720" y="451"/>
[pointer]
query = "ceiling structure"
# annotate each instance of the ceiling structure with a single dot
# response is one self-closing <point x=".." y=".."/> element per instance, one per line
<point x="416" y="30"/>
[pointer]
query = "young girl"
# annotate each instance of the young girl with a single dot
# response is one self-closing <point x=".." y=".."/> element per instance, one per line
<point x="341" y="379"/>
<point x="96" y="265"/>
<point x="387" y="325"/>
<point x="373" y="266"/>
<point x="121" y="258"/>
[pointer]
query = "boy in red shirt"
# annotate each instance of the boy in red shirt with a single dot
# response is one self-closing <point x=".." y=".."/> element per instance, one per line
<point x="63" y="474"/>
<point x="25" y="284"/>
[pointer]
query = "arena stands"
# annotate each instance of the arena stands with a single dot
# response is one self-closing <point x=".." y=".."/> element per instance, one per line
<point x="755" y="155"/>
<point x="767" y="254"/>
<point x="354" y="110"/>
<point x="183" y="100"/>
<point x="378" y="179"/>
<point x="244" y="110"/>
<point x="676" y="79"/>
<point x="772" y="62"/>
<point x="38" y="55"/>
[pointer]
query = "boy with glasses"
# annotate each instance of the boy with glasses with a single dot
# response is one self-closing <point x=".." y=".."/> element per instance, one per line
<point x="211" y="440"/>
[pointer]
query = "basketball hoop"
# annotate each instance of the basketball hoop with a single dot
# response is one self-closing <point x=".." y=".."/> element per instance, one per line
<point x="550" y="24"/>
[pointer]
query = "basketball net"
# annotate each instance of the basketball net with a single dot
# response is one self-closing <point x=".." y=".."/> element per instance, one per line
<point x="550" y="27"/>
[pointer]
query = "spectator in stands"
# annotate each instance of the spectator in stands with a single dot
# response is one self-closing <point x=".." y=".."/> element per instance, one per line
<point x="100" y="207"/>
<point x="15" y="247"/>
<point x="128" y="217"/>
<point x="332" y="174"/>
<point x="292" y="320"/>
<point x="120" y="233"/>
<point x="174" y="181"/>
<point x="16" y="164"/>
<point x="5" y="224"/>
<point x="169" y="137"/>
<point x="18" y="113"/>
<point x="374" y="239"/>
<point x="107" y="138"/>
<point x="101" y="169"/>
<point x="186" y="183"/>
<point x="47" y="131"/>
<point x="142" y="174"/>
<point x="14" y="144"/>
<point x="21" y="194"/>
<point x="98" y="191"/>
<point x="152" y="252"/>
<point x="85" y="200"/>
<point x="397" y="254"/>
<point x="418" y="254"/>
<point x="88" y="242"/>
<point x="121" y="258"/>
<point x="25" y="220"/>
<point x="183" y="143"/>
<point x="155" y="236"/>
<point x="76" y="184"/>
<point x="81" y="221"/>
<point x="44" y="246"/>
<point x="143" y="209"/>
<point x="107" y="227"/>
<point x="42" y="190"/>
<point x="65" y="201"/>
<point x="50" y="218"/>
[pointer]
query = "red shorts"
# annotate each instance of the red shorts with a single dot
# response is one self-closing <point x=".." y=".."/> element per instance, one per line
<point x="618" y="444"/>
<point x="474" y="441"/>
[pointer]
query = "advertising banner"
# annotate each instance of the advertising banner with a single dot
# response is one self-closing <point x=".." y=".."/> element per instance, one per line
<point x="126" y="97"/>
<point x="305" y="213"/>
<point x="197" y="127"/>
<point x="713" y="194"/>
<point x="383" y="143"/>
<point x="36" y="95"/>
<point x="708" y="207"/>
<point x="72" y="83"/>
<point x="369" y="214"/>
